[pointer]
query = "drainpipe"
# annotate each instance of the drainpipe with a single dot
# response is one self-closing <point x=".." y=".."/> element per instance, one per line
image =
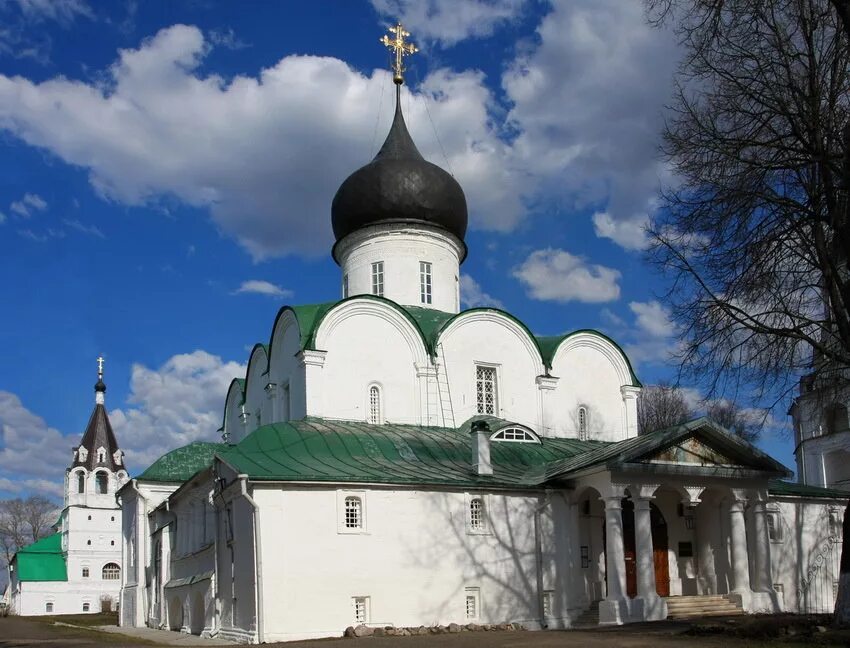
<point x="258" y="559"/>
<point x="538" y="555"/>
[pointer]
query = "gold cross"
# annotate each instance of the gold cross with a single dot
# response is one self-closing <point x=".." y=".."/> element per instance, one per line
<point x="400" y="48"/>
<point x="100" y="367"/>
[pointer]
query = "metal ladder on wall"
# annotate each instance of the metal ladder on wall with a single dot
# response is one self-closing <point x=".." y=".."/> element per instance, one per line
<point x="443" y="392"/>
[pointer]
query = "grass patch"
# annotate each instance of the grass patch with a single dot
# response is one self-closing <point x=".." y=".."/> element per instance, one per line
<point x="87" y="620"/>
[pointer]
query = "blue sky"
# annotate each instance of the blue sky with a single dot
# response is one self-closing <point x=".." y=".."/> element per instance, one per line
<point x="168" y="169"/>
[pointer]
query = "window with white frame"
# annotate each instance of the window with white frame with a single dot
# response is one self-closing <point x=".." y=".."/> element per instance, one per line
<point x="353" y="512"/>
<point x="473" y="603"/>
<point x="86" y="607"/>
<point x="374" y="405"/>
<point x="81" y="482"/>
<point x="515" y="434"/>
<point x="582" y="423"/>
<point x="85" y="572"/>
<point x="836" y="524"/>
<point x="111" y="571"/>
<point x="344" y="286"/>
<point x="548" y="596"/>
<point x="378" y="278"/>
<point x="476" y="514"/>
<point x="485" y="386"/>
<point x="102" y="483"/>
<point x="361" y="609"/>
<point x="424" y="282"/>
<point x="774" y="526"/>
<point x="48" y="607"/>
<point x="101" y="455"/>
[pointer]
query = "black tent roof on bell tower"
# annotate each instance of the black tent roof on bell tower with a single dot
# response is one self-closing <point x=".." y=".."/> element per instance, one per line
<point x="98" y="435"/>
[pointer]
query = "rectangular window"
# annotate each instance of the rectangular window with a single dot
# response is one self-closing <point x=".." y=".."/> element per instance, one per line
<point x="473" y="603"/>
<point x="344" y="286"/>
<point x="48" y="607"/>
<point x="378" y="278"/>
<point x="361" y="609"/>
<point x="774" y="527"/>
<point x="85" y="572"/>
<point x="486" y="400"/>
<point x="425" y="282"/>
<point x="585" y="557"/>
<point x="547" y="603"/>
<point x="353" y="508"/>
<point x="686" y="550"/>
<point x="86" y="607"/>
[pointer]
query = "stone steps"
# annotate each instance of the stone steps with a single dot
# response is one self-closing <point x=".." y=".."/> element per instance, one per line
<point x="589" y="618"/>
<point x="683" y="607"/>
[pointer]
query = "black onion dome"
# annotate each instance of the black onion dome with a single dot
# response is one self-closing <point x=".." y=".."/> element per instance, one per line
<point x="100" y="386"/>
<point x="399" y="185"/>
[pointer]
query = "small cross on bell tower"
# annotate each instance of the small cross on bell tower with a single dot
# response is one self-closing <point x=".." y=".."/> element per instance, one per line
<point x="100" y="386"/>
<point x="400" y="48"/>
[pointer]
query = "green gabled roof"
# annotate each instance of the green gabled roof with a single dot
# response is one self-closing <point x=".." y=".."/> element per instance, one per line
<point x="180" y="464"/>
<point x="315" y="449"/>
<point x="549" y="346"/>
<point x="42" y="560"/>
<point x="791" y="489"/>
<point x="615" y="455"/>
<point x="309" y="316"/>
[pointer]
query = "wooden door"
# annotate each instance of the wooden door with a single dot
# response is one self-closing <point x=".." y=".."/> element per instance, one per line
<point x="659" y="552"/>
<point x="629" y="551"/>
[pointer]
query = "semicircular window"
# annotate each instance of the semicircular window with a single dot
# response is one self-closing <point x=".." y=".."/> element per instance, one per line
<point x="516" y="435"/>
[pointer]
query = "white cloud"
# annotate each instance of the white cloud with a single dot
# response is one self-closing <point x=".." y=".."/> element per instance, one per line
<point x="260" y="152"/>
<point x="629" y="234"/>
<point x="91" y="230"/>
<point x="557" y="275"/>
<point x="33" y="455"/>
<point x="61" y="11"/>
<point x="652" y="318"/>
<point x="177" y="403"/>
<point x="472" y="295"/>
<point x="588" y="104"/>
<point x="262" y="288"/>
<point x="26" y="205"/>
<point x="226" y="38"/>
<point x="449" y="21"/>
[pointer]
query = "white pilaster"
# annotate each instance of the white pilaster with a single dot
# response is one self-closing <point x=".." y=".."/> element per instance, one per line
<point x="313" y="363"/>
<point x="546" y="385"/>
<point x="630" y="424"/>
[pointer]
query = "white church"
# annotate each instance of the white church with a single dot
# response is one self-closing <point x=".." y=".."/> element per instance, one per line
<point x="77" y="569"/>
<point x="391" y="460"/>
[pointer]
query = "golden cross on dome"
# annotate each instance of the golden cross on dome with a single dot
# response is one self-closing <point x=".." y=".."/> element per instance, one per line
<point x="100" y="367"/>
<point x="400" y="48"/>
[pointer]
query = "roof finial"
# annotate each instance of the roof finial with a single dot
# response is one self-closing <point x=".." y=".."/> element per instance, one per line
<point x="401" y="49"/>
<point x="100" y="386"/>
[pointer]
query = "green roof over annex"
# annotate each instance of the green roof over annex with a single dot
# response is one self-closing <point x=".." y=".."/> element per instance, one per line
<point x="41" y="561"/>
<point x="320" y="450"/>
<point x="180" y="464"/>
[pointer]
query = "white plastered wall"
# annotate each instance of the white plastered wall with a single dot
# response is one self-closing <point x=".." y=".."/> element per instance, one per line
<point x="413" y="573"/>
<point x="592" y="373"/>
<point x="401" y="249"/>
<point x="285" y="371"/>
<point x="257" y="403"/>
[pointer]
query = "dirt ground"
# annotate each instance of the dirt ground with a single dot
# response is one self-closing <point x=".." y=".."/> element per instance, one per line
<point x="751" y="632"/>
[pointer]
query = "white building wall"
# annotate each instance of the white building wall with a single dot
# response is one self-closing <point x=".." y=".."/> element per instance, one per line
<point x="285" y="371"/>
<point x="591" y="373"/>
<point x="414" y="559"/>
<point x="401" y="249"/>
<point x="805" y="561"/>
<point x="495" y="340"/>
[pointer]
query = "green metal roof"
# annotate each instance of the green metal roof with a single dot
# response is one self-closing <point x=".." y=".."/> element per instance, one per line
<point x="549" y="346"/>
<point x="180" y="464"/>
<point x="314" y="449"/>
<point x="614" y="455"/>
<point x="42" y="560"/>
<point x="792" y="489"/>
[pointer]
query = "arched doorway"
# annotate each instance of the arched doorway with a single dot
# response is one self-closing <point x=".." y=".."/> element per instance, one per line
<point x="659" y="549"/>
<point x="198" y="614"/>
<point x="175" y="614"/>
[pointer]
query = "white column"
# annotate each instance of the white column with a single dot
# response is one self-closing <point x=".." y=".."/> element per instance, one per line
<point x="740" y="560"/>
<point x="643" y="547"/>
<point x="615" y="560"/>
<point x="764" y="579"/>
<point x="577" y="584"/>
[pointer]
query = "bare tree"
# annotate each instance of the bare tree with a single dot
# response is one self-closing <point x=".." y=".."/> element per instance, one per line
<point x="756" y="233"/>
<point x="661" y="406"/>
<point x="733" y="418"/>
<point x="23" y="521"/>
